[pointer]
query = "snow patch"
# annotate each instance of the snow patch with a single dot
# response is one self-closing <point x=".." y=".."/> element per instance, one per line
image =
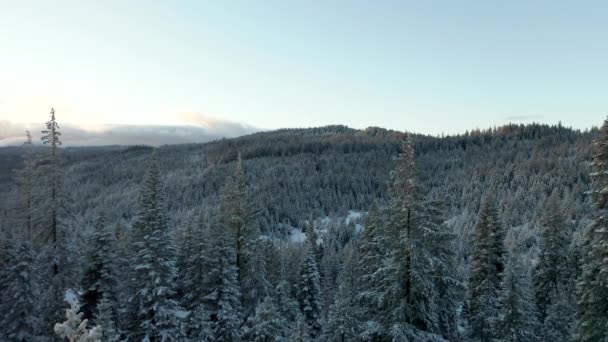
<point x="297" y="236"/>
<point x="353" y="216"/>
<point x="71" y="297"/>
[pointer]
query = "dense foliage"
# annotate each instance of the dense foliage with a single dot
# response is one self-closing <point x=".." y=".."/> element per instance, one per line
<point x="327" y="233"/>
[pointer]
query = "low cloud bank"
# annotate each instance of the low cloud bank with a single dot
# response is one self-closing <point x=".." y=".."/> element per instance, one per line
<point x="71" y="135"/>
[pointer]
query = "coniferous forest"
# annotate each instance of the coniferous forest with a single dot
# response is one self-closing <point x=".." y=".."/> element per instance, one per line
<point x="319" y="234"/>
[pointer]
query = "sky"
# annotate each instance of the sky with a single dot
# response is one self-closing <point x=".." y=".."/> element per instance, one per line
<point x="422" y="66"/>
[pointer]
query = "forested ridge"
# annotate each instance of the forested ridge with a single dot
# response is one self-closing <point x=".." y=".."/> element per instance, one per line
<point x="320" y="234"/>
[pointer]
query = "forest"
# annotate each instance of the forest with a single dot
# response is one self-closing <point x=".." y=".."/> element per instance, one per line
<point x="317" y="234"/>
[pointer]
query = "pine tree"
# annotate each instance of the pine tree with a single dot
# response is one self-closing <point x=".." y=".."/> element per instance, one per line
<point x="286" y="303"/>
<point x="221" y="286"/>
<point x="18" y="319"/>
<point x="409" y="284"/>
<point x="559" y="324"/>
<point x="313" y="239"/>
<point x="51" y="137"/>
<point x="592" y="289"/>
<point x="267" y="325"/>
<point x="401" y="285"/>
<point x="344" y="323"/>
<point x="100" y="275"/>
<point x="256" y="284"/>
<point x="238" y="216"/>
<point x="153" y="266"/>
<point x="552" y="269"/>
<point x="448" y="287"/>
<point x="329" y="271"/>
<point x="193" y="267"/>
<point x="486" y="273"/>
<point x="309" y="293"/>
<point x="372" y="249"/>
<point x="518" y="322"/>
<point x="25" y="178"/>
<point x="105" y="318"/>
<point x="53" y="258"/>
<point x="300" y="331"/>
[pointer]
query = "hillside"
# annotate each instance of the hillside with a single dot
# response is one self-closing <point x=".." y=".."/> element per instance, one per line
<point x="283" y="179"/>
<point x="294" y="173"/>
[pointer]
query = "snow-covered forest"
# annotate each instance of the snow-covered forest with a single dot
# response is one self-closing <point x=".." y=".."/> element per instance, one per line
<point x="321" y="234"/>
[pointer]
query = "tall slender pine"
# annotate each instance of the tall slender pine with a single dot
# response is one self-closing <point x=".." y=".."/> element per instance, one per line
<point x="153" y="266"/>
<point x="487" y="267"/>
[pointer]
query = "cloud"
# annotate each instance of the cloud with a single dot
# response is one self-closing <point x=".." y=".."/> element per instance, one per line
<point x="199" y="129"/>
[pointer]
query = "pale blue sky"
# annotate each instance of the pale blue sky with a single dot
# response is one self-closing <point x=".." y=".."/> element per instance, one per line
<point x="423" y="66"/>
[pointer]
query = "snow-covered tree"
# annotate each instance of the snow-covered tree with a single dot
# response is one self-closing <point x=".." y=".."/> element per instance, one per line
<point x="193" y="267"/>
<point x="300" y="332"/>
<point x="99" y="278"/>
<point x="26" y="179"/>
<point x="487" y="266"/>
<point x="592" y="287"/>
<point x="552" y="269"/>
<point x="105" y="318"/>
<point x="153" y="266"/>
<point x="18" y="316"/>
<point x="53" y="257"/>
<point x="286" y="303"/>
<point x="448" y="287"/>
<point x="312" y="238"/>
<point x="372" y="250"/>
<point x="267" y="325"/>
<point x="75" y="329"/>
<point x="344" y="323"/>
<point x="309" y="293"/>
<point x="559" y="323"/>
<point x="237" y="215"/>
<point x="221" y="286"/>
<point x="255" y="285"/>
<point x="409" y="292"/>
<point x="518" y="320"/>
<point x="52" y="175"/>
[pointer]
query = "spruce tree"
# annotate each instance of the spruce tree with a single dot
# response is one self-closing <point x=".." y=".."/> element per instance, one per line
<point x="309" y="292"/>
<point x="52" y="174"/>
<point x="552" y="269"/>
<point x="221" y="284"/>
<point x="18" y="316"/>
<point x="518" y="321"/>
<point x="237" y="214"/>
<point x="372" y="250"/>
<point x="192" y="265"/>
<point x="105" y="318"/>
<point x="592" y="287"/>
<point x="25" y="179"/>
<point x="99" y="278"/>
<point x="153" y="266"/>
<point x="267" y="325"/>
<point x="53" y="257"/>
<point x="448" y="286"/>
<point x="300" y="331"/>
<point x="286" y="303"/>
<point x="225" y="297"/>
<point x="487" y="266"/>
<point x="559" y="324"/>
<point x="344" y="323"/>
<point x="409" y="286"/>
